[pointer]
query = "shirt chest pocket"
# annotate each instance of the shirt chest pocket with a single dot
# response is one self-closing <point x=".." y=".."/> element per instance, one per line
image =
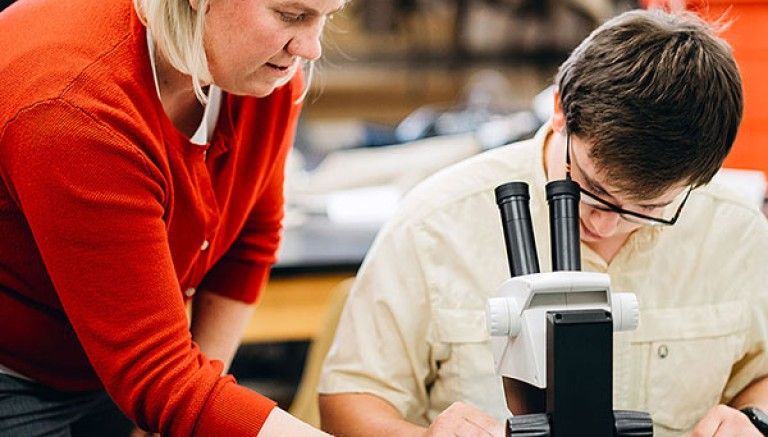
<point x="689" y="354"/>
<point x="463" y="362"/>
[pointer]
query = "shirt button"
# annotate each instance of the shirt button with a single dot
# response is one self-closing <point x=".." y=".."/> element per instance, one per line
<point x="663" y="351"/>
<point x="205" y="245"/>
<point x="189" y="292"/>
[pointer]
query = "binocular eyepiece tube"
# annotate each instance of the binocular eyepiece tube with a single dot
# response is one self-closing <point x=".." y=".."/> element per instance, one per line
<point x="513" y="201"/>
<point x="563" y="199"/>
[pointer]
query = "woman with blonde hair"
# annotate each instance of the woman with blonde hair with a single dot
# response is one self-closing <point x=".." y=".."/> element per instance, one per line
<point x="142" y="148"/>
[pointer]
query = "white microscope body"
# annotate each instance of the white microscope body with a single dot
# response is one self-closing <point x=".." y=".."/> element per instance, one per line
<point x="567" y="317"/>
<point x="516" y="317"/>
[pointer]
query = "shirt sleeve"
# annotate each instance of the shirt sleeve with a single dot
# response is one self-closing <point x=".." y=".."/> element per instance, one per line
<point x="381" y="345"/>
<point x="95" y="206"/>
<point x="244" y="269"/>
<point x="754" y="362"/>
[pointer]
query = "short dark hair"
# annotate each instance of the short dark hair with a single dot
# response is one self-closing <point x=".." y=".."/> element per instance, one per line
<point x="658" y="95"/>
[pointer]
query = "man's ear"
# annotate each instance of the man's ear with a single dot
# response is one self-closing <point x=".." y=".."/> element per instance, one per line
<point x="558" y="118"/>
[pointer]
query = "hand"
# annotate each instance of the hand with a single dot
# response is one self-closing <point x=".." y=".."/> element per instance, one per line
<point x="724" y="421"/>
<point x="464" y="420"/>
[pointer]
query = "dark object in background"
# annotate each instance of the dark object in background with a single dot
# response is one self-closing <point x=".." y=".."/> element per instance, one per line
<point x="5" y="3"/>
<point x="487" y="108"/>
<point x="272" y="369"/>
<point x="758" y="418"/>
<point x="383" y="16"/>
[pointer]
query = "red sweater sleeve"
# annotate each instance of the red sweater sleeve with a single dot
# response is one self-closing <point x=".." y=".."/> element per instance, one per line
<point x="94" y="203"/>
<point x="243" y="271"/>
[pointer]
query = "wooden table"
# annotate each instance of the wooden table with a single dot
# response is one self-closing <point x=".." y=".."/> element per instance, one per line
<point x="292" y="308"/>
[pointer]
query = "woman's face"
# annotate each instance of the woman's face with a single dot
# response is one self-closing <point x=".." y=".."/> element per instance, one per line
<point x="254" y="46"/>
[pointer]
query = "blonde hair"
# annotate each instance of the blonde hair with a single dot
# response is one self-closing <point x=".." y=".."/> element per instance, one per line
<point x="178" y="30"/>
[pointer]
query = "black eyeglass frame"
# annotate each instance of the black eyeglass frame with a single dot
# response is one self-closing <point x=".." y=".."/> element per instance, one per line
<point x="617" y="209"/>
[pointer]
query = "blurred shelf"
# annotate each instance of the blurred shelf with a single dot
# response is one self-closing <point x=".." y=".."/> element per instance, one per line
<point x="386" y="93"/>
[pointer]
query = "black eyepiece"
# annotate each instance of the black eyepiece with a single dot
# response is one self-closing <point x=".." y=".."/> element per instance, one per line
<point x="512" y="199"/>
<point x="563" y="198"/>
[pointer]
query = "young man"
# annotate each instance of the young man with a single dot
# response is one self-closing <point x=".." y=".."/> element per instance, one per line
<point x="649" y="104"/>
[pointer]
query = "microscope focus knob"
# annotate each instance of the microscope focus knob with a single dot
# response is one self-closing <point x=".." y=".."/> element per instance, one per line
<point x="529" y="425"/>
<point x="502" y="316"/>
<point x="632" y="424"/>
<point x="625" y="311"/>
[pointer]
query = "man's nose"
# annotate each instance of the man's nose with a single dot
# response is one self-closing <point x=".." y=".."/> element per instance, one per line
<point x="603" y="223"/>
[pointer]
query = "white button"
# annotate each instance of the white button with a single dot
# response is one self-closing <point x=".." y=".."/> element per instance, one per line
<point x="663" y="351"/>
<point x="205" y="245"/>
<point x="190" y="291"/>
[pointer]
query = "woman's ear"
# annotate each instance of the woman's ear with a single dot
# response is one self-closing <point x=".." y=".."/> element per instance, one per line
<point x="195" y="5"/>
<point x="558" y="118"/>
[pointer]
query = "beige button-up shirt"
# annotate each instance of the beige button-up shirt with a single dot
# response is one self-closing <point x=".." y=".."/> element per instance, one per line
<point x="413" y="331"/>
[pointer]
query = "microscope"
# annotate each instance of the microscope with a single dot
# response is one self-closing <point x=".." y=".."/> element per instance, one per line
<point x="552" y="333"/>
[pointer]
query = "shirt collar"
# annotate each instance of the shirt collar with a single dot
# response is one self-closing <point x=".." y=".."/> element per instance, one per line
<point x="204" y="131"/>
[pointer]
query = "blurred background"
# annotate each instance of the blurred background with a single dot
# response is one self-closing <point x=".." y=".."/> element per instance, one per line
<point x="405" y="88"/>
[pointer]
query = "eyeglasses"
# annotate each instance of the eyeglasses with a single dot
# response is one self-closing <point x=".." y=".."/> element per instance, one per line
<point x="594" y="201"/>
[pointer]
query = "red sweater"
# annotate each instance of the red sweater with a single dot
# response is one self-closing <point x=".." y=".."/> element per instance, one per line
<point x="104" y="211"/>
